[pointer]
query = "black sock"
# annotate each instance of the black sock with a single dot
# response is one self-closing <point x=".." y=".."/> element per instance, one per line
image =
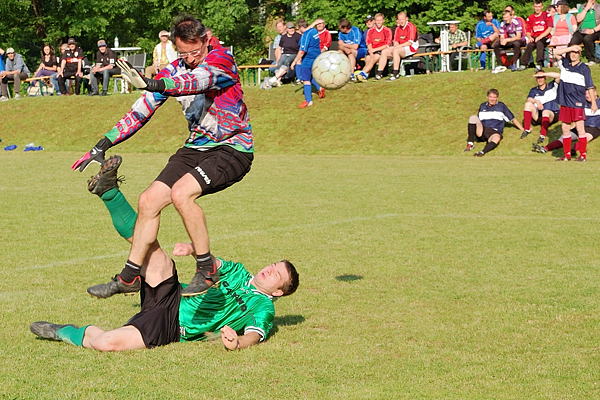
<point x="395" y="72"/>
<point x="380" y="72"/>
<point x="489" y="146"/>
<point x="130" y="271"/>
<point x="472" y="133"/>
<point x="204" y="262"/>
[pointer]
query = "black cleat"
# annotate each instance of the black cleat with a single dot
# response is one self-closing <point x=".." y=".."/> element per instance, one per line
<point x="47" y="330"/>
<point x="106" y="178"/>
<point x="200" y="283"/>
<point x="115" y="286"/>
<point x="479" y="154"/>
<point x="536" y="148"/>
<point x="541" y="139"/>
<point x="524" y="134"/>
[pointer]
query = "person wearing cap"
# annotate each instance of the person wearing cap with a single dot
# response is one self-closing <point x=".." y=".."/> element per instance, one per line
<point x="164" y="53"/>
<point x="289" y="45"/>
<point x="350" y="42"/>
<point x="71" y="66"/>
<point x="15" y="70"/>
<point x="103" y="69"/>
<point x="588" y="18"/>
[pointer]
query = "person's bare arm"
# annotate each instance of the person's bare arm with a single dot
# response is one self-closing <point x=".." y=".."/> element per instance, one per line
<point x="517" y="124"/>
<point x="232" y="341"/>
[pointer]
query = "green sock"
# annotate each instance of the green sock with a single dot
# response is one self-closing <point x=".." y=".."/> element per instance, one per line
<point x="122" y="214"/>
<point x="72" y="334"/>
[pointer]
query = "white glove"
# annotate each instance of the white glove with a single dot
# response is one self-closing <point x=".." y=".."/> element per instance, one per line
<point x="131" y="74"/>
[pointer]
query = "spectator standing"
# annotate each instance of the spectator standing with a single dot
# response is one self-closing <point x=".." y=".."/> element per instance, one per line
<point x="406" y="44"/>
<point x="15" y="70"/>
<point x="48" y="66"/>
<point x="564" y="25"/>
<point x="486" y="32"/>
<point x="103" y="69"/>
<point x="350" y="43"/>
<point x="324" y="36"/>
<point x="511" y="37"/>
<point x="588" y="18"/>
<point x="164" y="53"/>
<point x="378" y="39"/>
<point x="539" y="25"/>
<point x="71" y="66"/>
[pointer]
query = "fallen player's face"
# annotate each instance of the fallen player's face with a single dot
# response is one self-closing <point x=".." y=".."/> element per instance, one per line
<point x="193" y="53"/>
<point x="272" y="278"/>
<point x="492" y="99"/>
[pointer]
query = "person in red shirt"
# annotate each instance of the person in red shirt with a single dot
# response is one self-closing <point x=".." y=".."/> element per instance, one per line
<point x="379" y="38"/>
<point x="406" y="44"/>
<point x="538" y="27"/>
<point x="213" y="41"/>
<point x="324" y="37"/>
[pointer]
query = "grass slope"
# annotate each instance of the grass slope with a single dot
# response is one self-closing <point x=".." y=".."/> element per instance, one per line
<point x="420" y="115"/>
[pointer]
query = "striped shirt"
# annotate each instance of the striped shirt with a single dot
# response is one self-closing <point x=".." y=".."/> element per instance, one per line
<point x="547" y="96"/>
<point x="592" y="118"/>
<point x="574" y="81"/>
<point x="495" y="116"/>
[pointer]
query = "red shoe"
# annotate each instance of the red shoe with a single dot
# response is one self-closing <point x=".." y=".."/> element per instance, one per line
<point x="305" y="104"/>
<point x="321" y="93"/>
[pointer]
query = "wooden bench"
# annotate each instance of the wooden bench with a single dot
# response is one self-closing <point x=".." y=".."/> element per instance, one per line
<point x="245" y="71"/>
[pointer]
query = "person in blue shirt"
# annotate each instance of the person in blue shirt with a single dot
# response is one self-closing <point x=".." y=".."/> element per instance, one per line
<point x="2" y="55"/>
<point x="309" y="50"/>
<point x="486" y="31"/>
<point x="351" y="42"/>
<point x="488" y="125"/>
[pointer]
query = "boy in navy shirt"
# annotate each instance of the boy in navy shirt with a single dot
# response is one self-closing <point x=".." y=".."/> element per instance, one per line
<point x="488" y="125"/>
<point x="541" y="101"/>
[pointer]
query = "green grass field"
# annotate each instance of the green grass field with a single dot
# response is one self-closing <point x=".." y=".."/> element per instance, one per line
<point x="425" y="273"/>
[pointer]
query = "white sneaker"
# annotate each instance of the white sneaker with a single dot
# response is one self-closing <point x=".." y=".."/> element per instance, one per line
<point x="3" y="98"/>
<point x="499" y="69"/>
<point x="17" y="96"/>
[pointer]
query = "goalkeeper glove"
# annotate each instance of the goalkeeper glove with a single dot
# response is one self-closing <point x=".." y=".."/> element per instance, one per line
<point x="96" y="154"/>
<point x="139" y="81"/>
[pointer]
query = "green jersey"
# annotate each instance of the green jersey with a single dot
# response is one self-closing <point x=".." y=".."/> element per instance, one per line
<point x="589" y="21"/>
<point x="233" y="301"/>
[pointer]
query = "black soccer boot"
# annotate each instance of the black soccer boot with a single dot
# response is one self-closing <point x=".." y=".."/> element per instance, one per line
<point x="114" y="286"/>
<point x="47" y="330"/>
<point x="106" y="178"/>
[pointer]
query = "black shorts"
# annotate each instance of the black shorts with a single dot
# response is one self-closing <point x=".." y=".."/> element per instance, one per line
<point x="487" y="133"/>
<point x="158" y="321"/>
<point x="592" y="130"/>
<point x="539" y="120"/>
<point x="214" y="169"/>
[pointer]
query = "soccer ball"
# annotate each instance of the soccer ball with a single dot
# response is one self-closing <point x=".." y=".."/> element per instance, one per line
<point x="331" y="69"/>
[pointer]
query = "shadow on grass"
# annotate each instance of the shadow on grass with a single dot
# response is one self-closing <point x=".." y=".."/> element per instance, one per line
<point x="286" y="320"/>
<point x="348" y="278"/>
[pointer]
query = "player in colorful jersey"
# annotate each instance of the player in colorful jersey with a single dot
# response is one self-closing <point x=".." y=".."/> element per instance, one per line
<point x="575" y="84"/>
<point x="539" y="25"/>
<point x="541" y="102"/>
<point x="302" y="64"/>
<point x="488" y="125"/>
<point x="591" y="126"/>
<point x="217" y="153"/>
<point x="240" y="306"/>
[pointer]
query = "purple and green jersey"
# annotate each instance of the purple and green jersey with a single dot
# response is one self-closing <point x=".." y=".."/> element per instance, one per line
<point x="211" y="98"/>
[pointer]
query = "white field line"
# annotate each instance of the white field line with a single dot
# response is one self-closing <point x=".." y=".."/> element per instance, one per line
<point x="320" y="224"/>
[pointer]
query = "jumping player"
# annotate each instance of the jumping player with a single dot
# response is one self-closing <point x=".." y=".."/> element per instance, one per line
<point x="575" y="84"/>
<point x="240" y="307"/>
<point x="541" y="102"/>
<point x="309" y="51"/>
<point x="217" y="153"/>
<point x="591" y="126"/>
<point x="488" y="125"/>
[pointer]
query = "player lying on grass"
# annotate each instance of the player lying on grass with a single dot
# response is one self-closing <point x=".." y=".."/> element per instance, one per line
<point x="217" y="153"/>
<point x="575" y="85"/>
<point x="239" y="302"/>
<point x="592" y="131"/>
<point x="541" y="107"/>
<point x="488" y="125"/>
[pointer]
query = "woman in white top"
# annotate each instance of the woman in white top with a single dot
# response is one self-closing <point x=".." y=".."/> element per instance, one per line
<point x="164" y="53"/>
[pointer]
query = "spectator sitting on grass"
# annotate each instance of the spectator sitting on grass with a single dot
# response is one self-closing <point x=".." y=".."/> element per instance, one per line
<point x="588" y="18"/>
<point x="486" y="32"/>
<point x="15" y="70"/>
<point x="510" y="38"/>
<point x="71" y="66"/>
<point x="378" y="39"/>
<point x="405" y="45"/>
<point x="164" y="53"/>
<point x="48" y="66"/>
<point x="350" y="43"/>
<point x="103" y="69"/>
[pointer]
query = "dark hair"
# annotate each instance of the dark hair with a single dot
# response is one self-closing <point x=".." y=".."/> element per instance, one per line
<point x="51" y="50"/>
<point x="188" y="29"/>
<point x="510" y="6"/>
<point x="292" y="285"/>
<point x="344" y="24"/>
<point x="485" y="12"/>
<point x="506" y="12"/>
<point x="301" y="23"/>
<point x="538" y="1"/>
<point x="493" y="91"/>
